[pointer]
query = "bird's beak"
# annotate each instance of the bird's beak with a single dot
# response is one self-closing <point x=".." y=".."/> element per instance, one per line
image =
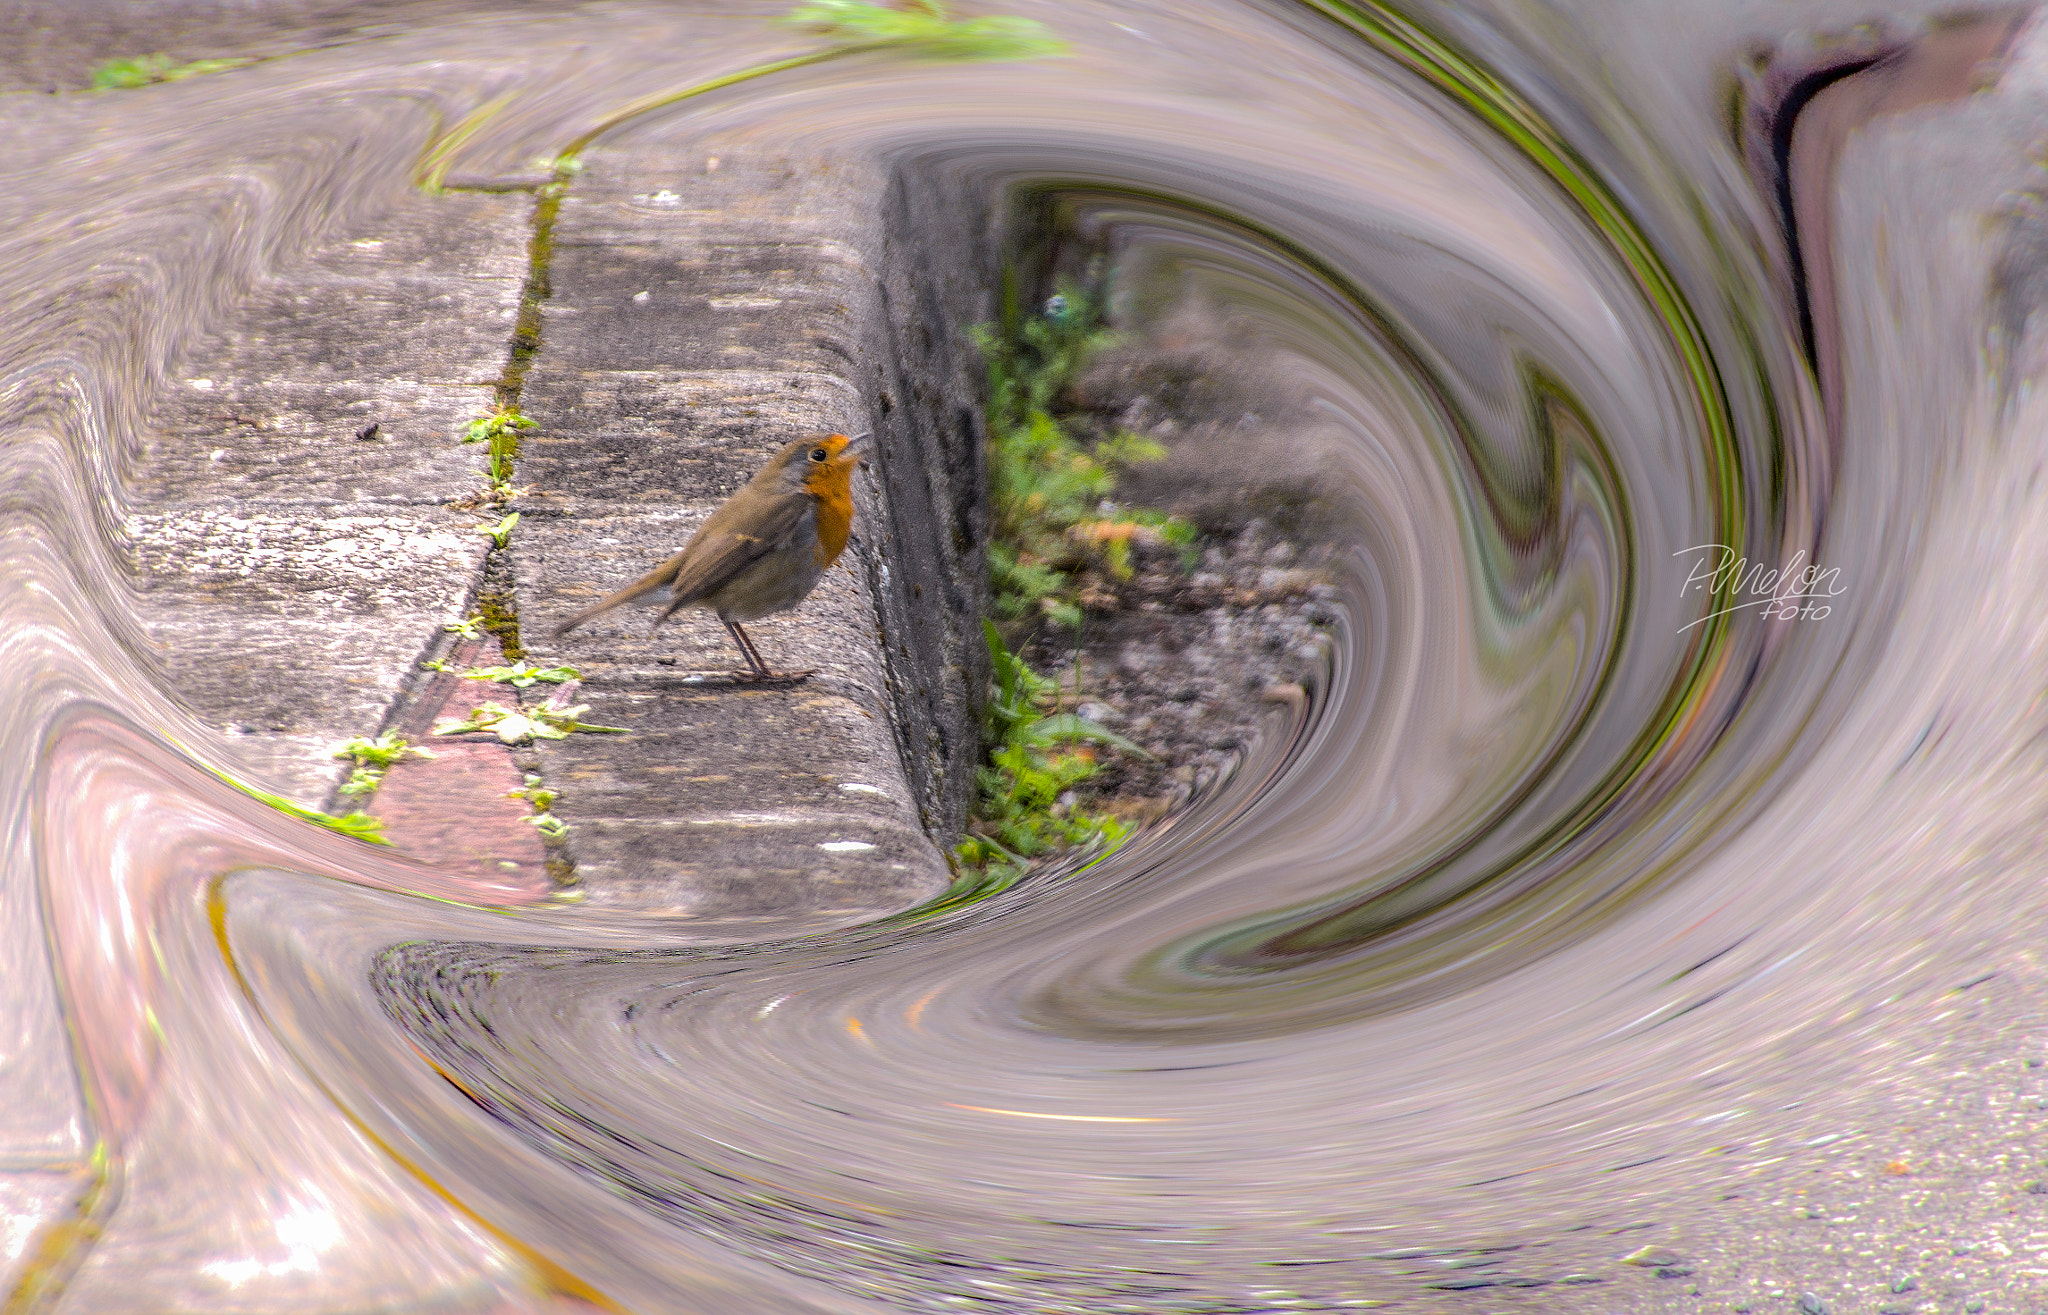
<point x="860" y="446"/>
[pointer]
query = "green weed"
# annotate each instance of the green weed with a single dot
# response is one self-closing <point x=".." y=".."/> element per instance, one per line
<point x="500" y="533"/>
<point x="1022" y="805"/>
<point x="500" y="429"/>
<point x="542" y="799"/>
<point x="372" y="758"/>
<point x="516" y="725"/>
<point x="1054" y="521"/>
<point x="1055" y="527"/>
<point x="520" y="675"/>
<point x="359" y="824"/>
<point x="143" y="70"/>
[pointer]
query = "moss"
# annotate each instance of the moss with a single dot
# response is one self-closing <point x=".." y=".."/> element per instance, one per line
<point x="501" y="619"/>
<point x="526" y="330"/>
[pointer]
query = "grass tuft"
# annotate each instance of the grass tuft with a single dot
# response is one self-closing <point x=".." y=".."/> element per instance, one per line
<point x="1056" y="533"/>
<point x="1055" y="521"/>
<point x="1024" y="802"/>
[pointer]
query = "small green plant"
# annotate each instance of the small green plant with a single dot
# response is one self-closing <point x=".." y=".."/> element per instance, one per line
<point x="468" y="628"/>
<point x="143" y="70"/>
<point x="520" y="675"/>
<point x="1023" y="807"/>
<point x="500" y="533"/>
<point x="500" y="429"/>
<point x="515" y="725"/>
<point x="542" y="799"/>
<point x="1053" y="517"/>
<point x="372" y="759"/>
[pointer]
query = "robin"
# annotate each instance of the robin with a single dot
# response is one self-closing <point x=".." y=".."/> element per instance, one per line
<point x="763" y="550"/>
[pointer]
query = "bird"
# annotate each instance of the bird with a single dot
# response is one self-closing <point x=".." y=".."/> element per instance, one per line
<point x="763" y="550"/>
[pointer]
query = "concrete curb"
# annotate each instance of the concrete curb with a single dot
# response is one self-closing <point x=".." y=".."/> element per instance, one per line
<point x="707" y="301"/>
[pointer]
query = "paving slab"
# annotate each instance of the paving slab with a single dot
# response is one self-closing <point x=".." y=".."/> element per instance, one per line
<point x="292" y="569"/>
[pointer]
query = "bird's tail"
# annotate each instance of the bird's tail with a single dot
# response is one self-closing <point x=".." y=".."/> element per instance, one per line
<point x="653" y="582"/>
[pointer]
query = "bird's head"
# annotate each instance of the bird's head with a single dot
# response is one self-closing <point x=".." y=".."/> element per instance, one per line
<point x="820" y="462"/>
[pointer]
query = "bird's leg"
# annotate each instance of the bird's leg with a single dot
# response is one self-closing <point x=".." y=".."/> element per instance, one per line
<point x="753" y="655"/>
<point x="760" y="670"/>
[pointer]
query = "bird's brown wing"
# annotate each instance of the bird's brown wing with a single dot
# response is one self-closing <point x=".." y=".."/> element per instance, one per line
<point x="720" y="551"/>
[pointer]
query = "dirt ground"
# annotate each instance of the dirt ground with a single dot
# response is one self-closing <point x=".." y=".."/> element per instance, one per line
<point x="1187" y="659"/>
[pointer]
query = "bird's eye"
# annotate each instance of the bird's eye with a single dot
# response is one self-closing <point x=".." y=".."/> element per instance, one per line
<point x="819" y="454"/>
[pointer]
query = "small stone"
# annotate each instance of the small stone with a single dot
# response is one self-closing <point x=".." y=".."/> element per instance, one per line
<point x="1905" y="1283"/>
<point x="1809" y="1304"/>
<point x="2038" y="1188"/>
<point x="1653" y="1258"/>
<point x="1974" y="1305"/>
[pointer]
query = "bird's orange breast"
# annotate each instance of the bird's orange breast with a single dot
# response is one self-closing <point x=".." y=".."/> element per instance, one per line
<point x="832" y="486"/>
